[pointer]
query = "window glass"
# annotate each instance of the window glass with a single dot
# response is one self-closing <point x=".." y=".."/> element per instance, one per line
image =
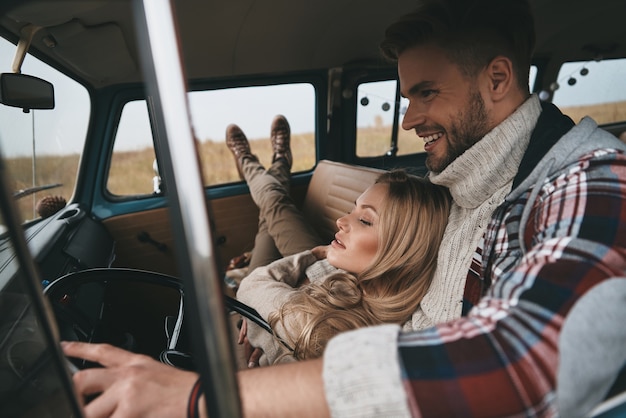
<point x="252" y="108"/>
<point x="593" y="88"/>
<point x="133" y="160"/>
<point x="42" y="147"/>
<point x="375" y="120"/>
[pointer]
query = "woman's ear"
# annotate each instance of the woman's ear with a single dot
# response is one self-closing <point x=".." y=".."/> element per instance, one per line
<point x="501" y="78"/>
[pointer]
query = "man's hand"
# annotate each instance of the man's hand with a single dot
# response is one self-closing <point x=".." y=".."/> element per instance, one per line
<point x="130" y="385"/>
<point x="134" y="385"/>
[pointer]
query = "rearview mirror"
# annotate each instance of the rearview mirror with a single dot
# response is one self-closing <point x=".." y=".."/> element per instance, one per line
<point x="25" y="91"/>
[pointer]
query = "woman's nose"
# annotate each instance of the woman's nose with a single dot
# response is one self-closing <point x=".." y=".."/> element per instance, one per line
<point x="342" y="223"/>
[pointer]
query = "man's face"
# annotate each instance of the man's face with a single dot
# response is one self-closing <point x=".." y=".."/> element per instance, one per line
<point x="446" y="109"/>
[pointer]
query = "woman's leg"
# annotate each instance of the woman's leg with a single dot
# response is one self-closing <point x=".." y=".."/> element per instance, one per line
<point x="264" y="251"/>
<point x="284" y="221"/>
<point x="279" y="219"/>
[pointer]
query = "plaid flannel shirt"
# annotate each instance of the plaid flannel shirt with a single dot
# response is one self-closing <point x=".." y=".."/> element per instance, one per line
<point x="502" y="359"/>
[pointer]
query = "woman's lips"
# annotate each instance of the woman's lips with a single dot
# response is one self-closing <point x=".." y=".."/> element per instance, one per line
<point x="337" y="243"/>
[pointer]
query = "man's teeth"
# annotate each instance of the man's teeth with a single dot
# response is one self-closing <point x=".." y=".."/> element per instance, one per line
<point x="431" y="138"/>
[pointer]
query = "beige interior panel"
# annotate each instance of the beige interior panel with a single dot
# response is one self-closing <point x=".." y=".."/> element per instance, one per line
<point x="234" y="219"/>
<point x="154" y="252"/>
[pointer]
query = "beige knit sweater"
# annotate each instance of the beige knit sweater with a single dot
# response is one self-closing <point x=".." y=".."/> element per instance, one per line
<point x="268" y="288"/>
<point x="478" y="181"/>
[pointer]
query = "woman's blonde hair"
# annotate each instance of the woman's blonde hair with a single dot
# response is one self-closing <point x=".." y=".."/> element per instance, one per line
<point x="412" y="220"/>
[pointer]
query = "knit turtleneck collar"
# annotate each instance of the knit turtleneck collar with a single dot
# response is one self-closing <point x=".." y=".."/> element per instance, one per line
<point x="492" y="162"/>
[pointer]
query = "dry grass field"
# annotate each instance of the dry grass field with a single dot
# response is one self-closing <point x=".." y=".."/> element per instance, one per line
<point x="604" y="113"/>
<point x="131" y="172"/>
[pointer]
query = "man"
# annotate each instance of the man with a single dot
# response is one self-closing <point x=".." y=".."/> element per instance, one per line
<point x="548" y="197"/>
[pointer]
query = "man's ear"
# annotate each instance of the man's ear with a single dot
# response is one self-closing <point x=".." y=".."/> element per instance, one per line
<point x="501" y="78"/>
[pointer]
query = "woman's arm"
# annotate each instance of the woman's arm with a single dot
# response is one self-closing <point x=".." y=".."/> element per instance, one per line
<point x="268" y="288"/>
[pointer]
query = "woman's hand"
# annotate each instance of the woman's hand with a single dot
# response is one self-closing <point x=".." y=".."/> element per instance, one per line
<point x="252" y="354"/>
<point x="320" y="251"/>
<point x="130" y="385"/>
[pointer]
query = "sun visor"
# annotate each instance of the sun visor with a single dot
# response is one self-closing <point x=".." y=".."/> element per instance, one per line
<point x="98" y="52"/>
<point x="51" y="13"/>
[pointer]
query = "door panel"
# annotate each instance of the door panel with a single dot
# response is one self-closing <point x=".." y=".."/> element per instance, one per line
<point x="143" y="240"/>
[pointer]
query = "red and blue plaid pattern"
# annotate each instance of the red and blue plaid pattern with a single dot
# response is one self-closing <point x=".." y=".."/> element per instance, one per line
<point x="502" y="358"/>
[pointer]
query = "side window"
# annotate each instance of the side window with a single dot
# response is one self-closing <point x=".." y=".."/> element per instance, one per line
<point x="252" y="108"/>
<point x="375" y="126"/>
<point x="593" y="88"/>
<point x="132" y="163"/>
<point x="42" y="148"/>
<point x="376" y="112"/>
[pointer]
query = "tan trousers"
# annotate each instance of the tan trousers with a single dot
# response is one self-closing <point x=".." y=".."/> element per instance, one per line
<point x="283" y="230"/>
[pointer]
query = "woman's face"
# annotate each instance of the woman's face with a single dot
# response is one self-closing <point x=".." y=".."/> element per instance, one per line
<point x="356" y="243"/>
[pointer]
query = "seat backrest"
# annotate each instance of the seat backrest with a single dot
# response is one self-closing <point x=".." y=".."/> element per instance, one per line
<point x="332" y="192"/>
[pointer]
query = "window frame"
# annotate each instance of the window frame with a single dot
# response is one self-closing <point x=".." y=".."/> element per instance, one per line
<point x="106" y="204"/>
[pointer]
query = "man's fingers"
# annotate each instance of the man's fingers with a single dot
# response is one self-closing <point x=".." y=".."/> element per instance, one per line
<point x="129" y="385"/>
<point x="92" y="381"/>
<point x="109" y="391"/>
<point x="104" y="354"/>
<point x="97" y="382"/>
<point x="100" y="407"/>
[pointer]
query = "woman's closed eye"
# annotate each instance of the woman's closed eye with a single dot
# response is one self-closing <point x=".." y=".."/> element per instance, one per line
<point x="365" y="222"/>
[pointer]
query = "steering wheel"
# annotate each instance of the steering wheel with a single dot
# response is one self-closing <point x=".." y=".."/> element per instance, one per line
<point x="137" y="310"/>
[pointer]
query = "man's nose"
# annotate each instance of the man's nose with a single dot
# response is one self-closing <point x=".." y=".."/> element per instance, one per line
<point x="414" y="116"/>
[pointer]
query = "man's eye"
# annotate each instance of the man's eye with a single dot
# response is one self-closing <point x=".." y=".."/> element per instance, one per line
<point x="365" y="222"/>
<point x="428" y="93"/>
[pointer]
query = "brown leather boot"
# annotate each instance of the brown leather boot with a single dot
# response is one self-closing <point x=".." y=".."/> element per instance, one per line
<point x="281" y="135"/>
<point x="237" y="143"/>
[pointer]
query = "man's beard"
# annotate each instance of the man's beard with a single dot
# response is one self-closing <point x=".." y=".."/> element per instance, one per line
<point x="469" y="126"/>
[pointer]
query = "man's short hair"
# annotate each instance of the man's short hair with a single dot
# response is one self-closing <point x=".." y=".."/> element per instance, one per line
<point x="471" y="32"/>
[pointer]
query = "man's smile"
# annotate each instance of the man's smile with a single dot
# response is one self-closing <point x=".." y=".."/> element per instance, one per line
<point x="431" y="138"/>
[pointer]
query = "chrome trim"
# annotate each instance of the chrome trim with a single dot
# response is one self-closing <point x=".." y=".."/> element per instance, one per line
<point x="180" y="168"/>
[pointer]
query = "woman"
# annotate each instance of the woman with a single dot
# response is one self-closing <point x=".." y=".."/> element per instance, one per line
<point x="376" y="270"/>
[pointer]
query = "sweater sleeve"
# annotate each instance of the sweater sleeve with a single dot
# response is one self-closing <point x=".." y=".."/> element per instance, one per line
<point x="267" y="289"/>
<point x="362" y="375"/>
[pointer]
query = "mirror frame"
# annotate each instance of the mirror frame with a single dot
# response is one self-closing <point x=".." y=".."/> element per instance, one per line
<point x="26" y="91"/>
